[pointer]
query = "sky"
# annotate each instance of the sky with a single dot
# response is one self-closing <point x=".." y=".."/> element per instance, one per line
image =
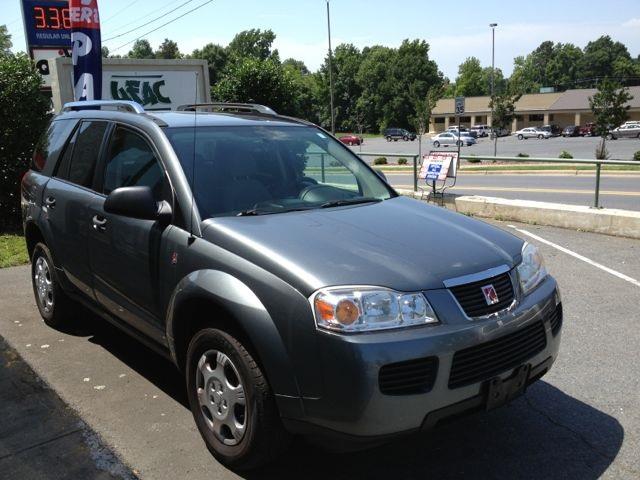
<point x="454" y="31"/>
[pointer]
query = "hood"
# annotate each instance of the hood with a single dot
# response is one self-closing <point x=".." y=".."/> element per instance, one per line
<point x="399" y="243"/>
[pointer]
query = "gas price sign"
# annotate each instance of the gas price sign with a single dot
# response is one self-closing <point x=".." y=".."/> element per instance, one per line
<point x="47" y="27"/>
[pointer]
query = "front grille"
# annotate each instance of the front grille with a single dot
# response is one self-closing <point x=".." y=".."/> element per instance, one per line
<point x="481" y="362"/>
<point x="473" y="302"/>
<point x="555" y="319"/>
<point x="409" y="377"/>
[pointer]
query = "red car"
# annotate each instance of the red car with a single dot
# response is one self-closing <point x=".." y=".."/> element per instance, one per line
<point x="589" y="130"/>
<point x="351" y="140"/>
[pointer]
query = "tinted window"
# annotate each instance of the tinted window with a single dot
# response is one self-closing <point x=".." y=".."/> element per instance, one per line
<point x="131" y="162"/>
<point x="80" y="157"/>
<point x="51" y="143"/>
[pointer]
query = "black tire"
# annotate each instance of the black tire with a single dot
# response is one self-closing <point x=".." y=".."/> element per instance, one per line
<point x="388" y="139"/>
<point x="520" y="136"/>
<point x="264" y="437"/>
<point x="540" y="137"/>
<point x="458" y="143"/>
<point x="54" y="305"/>
<point x="405" y="138"/>
<point x="436" y="144"/>
<point x="610" y="137"/>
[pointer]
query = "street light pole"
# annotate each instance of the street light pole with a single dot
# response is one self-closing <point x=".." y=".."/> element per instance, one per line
<point x="493" y="62"/>
<point x="333" y="120"/>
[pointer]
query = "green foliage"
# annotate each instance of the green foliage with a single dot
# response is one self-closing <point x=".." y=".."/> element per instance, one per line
<point x="253" y="43"/>
<point x="261" y="81"/>
<point x="402" y="161"/>
<point x="217" y="58"/>
<point x="502" y="106"/>
<point x="469" y="82"/>
<point x="104" y="52"/>
<point x="565" y="154"/>
<point x="609" y="106"/>
<point x="23" y="109"/>
<point x="636" y="156"/>
<point x="600" y="57"/>
<point x="522" y="155"/>
<point x="380" y="161"/>
<point x="141" y="49"/>
<point x="168" y="50"/>
<point x="13" y="251"/>
<point x="5" y="41"/>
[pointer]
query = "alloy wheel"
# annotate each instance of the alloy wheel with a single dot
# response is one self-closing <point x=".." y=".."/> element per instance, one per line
<point x="44" y="284"/>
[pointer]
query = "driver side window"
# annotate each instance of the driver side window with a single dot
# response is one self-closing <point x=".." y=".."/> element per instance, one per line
<point x="131" y="162"/>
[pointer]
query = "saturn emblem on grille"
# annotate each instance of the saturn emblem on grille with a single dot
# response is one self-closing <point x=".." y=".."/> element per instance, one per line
<point x="490" y="294"/>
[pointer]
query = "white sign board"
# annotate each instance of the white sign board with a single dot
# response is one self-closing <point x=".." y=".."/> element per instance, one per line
<point x="43" y="57"/>
<point x="438" y="166"/>
<point x="153" y="90"/>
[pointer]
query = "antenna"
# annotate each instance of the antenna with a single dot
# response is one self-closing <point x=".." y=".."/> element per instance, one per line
<point x="193" y="164"/>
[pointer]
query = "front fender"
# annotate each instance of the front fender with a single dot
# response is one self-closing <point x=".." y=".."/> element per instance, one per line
<point x="252" y="317"/>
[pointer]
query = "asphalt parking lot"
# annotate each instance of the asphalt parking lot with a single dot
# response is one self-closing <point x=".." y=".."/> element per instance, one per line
<point x="579" y="147"/>
<point x="581" y="421"/>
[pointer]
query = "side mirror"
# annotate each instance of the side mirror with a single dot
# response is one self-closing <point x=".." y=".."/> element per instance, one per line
<point x="136" y="202"/>
<point x="381" y="175"/>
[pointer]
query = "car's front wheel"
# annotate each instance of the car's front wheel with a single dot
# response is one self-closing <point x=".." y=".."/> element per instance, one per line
<point x="436" y="144"/>
<point x="388" y="139"/>
<point x="520" y="136"/>
<point x="54" y="305"/>
<point x="232" y="403"/>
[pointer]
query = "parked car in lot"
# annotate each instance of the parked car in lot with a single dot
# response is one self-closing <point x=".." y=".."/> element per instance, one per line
<point x="588" y="130"/>
<point x="463" y="131"/>
<point x="396" y="134"/>
<point x="554" y="130"/>
<point x="452" y="138"/>
<point x="280" y="290"/>
<point x="532" y="132"/>
<point x="500" y="132"/>
<point x="628" y="130"/>
<point x="482" y="130"/>
<point x="571" y="131"/>
<point x="351" y="140"/>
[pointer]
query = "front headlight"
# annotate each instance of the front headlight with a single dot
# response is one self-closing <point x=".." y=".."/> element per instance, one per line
<point x="365" y="309"/>
<point x="531" y="270"/>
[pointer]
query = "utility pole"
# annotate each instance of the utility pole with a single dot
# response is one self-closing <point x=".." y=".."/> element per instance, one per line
<point x="333" y="119"/>
<point x="493" y="62"/>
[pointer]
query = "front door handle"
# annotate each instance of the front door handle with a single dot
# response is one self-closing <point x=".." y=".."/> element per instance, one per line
<point x="99" y="223"/>
<point x="50" y="202"/>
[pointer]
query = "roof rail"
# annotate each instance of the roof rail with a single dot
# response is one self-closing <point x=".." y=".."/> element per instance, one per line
<point x="126" y="105"/>
<point x="229" y="107"/>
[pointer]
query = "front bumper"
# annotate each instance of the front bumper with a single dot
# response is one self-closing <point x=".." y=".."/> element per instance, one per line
<point x="352" y="404"/>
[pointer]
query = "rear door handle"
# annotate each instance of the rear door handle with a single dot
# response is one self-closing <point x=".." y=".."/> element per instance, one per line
<point x="99" y="223"/>
<point x="50" y="202"/>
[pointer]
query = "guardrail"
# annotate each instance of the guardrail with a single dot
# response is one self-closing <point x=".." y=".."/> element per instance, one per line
<point x="579" y="161"/>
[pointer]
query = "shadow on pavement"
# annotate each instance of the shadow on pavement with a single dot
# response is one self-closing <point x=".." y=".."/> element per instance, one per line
<point x="544" y="434"/>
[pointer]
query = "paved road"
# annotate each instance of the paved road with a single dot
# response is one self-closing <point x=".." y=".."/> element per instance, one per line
<point x="617" y="191"/>
<point x="582" y="421"/>
<point x="579" y="147"/>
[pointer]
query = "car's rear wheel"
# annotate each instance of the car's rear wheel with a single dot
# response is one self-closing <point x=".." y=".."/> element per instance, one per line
<point x="54" y="305"/>
<point x="436" y="144"/>
<point x="540" y="137"/>
<point x="520" y="136"/>
<point x="232" y="403"/>
<point x="405" y="138"/>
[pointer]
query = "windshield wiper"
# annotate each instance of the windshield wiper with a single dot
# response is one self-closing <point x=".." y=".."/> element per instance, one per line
<point x="349" y="201"/>
<point x="254" y="211"/>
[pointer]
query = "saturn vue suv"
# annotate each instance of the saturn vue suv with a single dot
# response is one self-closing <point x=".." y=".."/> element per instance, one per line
<point x="298" y="293"/>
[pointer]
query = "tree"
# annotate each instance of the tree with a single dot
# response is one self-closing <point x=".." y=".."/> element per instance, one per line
<point x="253" y="43"/>
<point x="104" y="52"/>
<point x="23" y="108"/>
<point x="5" y="41"/>
<point x="502" y="105"/>
<point x="141" y="49"/>
<point x="217" y="58"/>
<point x="296" y="65"/>
<point x="377" y="87"/>
<point x="599" y="58"/>
<point x="261" y="81"/>
<point x="609" y="106"/>
<point x="168" y="50"/>
<point x="470" y="82"/>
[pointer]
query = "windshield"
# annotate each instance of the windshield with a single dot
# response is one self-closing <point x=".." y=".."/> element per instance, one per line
<point x="255" y="170"/>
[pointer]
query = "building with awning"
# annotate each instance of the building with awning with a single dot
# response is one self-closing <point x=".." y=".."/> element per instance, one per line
<point x="536" y="109"/>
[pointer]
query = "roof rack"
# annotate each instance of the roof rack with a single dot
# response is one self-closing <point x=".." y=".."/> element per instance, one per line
<point x="125" y="105"/>
<point x="229" y="107"/>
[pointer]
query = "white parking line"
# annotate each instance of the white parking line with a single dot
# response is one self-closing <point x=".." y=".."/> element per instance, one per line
<point x="622" y="276"/>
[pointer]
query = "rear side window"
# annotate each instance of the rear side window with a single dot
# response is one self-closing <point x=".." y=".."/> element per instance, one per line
<point x="50" y="143"/>
<point x="131" y="162"/>
<point x="80" y="157"/>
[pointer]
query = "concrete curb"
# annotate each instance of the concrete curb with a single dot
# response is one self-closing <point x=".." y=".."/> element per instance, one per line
<point x="609" y="221"/>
